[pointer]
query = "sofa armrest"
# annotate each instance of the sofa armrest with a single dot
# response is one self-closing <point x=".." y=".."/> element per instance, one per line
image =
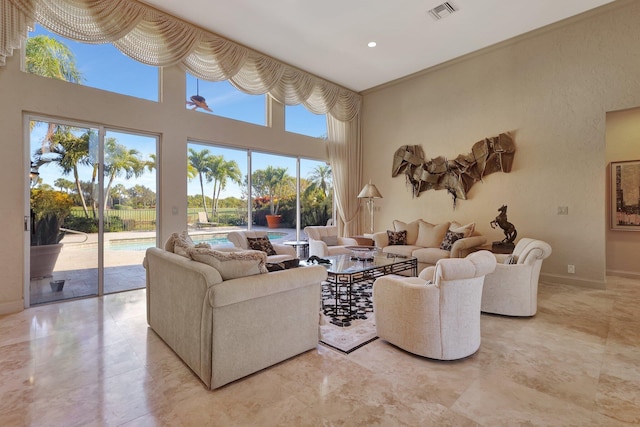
<point x="284" y="249"/>
<point x="462" y="247"/>
<point x="380" y="239"/>
<point x="427" y="273"/>
<point x="347" y="241"/>
<point x="176" y="294"/>
<point x="317" y="248"/>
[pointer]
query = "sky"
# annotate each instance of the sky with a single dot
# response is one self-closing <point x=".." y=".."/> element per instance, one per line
<point x="104" y="67"/>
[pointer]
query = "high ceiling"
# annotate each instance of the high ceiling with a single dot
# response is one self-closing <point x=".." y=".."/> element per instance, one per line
<point x="329" y="38"/>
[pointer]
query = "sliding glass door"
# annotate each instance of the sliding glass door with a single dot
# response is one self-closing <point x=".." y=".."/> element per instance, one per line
<point x="87" y="193"/>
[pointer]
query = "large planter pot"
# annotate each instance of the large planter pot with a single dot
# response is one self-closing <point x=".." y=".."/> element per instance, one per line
<point x="43" y="260"/>
<point x="273" y="221"/>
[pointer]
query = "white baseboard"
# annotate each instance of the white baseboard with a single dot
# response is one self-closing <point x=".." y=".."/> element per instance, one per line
<point x="11" y="307"/>
<point x="627" y="274"/>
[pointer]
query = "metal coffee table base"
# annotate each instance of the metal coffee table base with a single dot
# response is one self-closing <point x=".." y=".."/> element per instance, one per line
<point x="347" y="288"/>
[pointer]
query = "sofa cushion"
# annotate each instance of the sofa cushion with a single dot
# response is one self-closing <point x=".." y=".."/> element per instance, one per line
<point x="404" y="250"/>
<point x="430" y="255"/>
<point x="429" y="235"/>
<point x="467" y="229"/>
<point x="261" y="244"/>
<point x="411" y="229"/>
<point x="330" y="240"/>
<point x="397" y="237"/>
<point x="231" y="264"/>
<point x="449" y="239"/>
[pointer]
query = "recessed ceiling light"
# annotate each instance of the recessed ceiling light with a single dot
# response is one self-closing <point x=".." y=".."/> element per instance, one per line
<point x="371" y="44"/>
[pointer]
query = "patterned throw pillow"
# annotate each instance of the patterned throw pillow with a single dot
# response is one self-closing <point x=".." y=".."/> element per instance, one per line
<point x="231" y="265"/>
<point x="511" y="259"/>
<point x="397" y="237"/>
<point x="261" y="244"/>
<point x="449" y="239"/>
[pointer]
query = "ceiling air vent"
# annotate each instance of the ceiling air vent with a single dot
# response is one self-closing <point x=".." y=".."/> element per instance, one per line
<point x="439" y="12"/>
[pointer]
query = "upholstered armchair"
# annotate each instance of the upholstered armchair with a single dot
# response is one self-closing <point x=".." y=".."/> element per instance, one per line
<point x="324" y="241"/>
<point x="437" y="314"/>
<point x="282" y="252"/>
<point x="512" y="289"/>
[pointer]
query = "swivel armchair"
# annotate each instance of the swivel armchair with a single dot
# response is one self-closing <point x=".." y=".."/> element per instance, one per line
<point x="437" y="314"/>
<point x="512" y="289"/>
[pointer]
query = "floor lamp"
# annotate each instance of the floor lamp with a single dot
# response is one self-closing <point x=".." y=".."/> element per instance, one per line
<point x="370" y="192"/>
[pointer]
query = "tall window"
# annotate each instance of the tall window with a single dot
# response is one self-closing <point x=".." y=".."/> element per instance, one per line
<point x="219" y="194"/>
<point x="298" y="119"/>
<point x="100" y="66"/>
<point x="224" y="100"/>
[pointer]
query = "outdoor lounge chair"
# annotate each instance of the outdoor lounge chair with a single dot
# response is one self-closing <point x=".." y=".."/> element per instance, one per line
<point x="203" y="221"/>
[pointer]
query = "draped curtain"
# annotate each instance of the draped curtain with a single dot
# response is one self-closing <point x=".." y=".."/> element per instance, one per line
<point x="158" y="39"/>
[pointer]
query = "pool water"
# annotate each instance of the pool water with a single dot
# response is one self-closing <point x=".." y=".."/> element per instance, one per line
<point x="144" y="243"/>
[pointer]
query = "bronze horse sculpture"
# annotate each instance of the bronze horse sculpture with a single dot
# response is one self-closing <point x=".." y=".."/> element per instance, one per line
<point x="509" y="230"/>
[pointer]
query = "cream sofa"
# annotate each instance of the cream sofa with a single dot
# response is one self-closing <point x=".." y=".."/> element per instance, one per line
<point x="227" y="329"/>
<point x="324" y="241"/>
<point x="424" y="240"/>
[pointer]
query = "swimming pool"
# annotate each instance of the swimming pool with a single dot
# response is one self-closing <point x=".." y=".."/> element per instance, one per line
<point x="143" y="243"/>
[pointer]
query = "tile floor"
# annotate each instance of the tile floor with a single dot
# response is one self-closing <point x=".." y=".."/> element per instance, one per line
<point x="94" y="362"/>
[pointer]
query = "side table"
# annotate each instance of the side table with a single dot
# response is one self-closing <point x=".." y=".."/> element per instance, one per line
<point x="301" y="247"/>
<point x="363" y="240"/>
<point x="495" y="250"/>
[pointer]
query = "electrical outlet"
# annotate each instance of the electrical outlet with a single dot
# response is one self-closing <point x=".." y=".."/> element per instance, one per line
<point x="571" y="269"/>
<point x="563" y="210"/>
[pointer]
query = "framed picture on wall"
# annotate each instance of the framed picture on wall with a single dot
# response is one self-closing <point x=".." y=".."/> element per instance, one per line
<point x="625" y="195"/>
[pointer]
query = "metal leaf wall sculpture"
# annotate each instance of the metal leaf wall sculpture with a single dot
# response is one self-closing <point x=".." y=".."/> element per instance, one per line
<point x="456" y="176"/>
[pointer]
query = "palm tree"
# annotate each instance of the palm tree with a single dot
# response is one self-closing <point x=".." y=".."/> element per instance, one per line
<point x="321" y="177"/>
<point x="222" y="171"/>
<point x="68" y="151"/>
<point x="48" y="57"/>
<point x="119" y="160"/>
<point x="201" y="162"/>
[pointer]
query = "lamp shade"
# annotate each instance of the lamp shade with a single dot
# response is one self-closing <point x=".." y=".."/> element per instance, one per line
<point x="369" y="192"/>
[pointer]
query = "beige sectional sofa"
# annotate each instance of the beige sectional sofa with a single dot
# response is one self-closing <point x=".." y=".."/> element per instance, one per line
<point x="430" y="242"/>
<point x="225" y="326"/>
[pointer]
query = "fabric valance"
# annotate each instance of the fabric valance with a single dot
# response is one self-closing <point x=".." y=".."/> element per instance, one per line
<point x="158" y="39"/>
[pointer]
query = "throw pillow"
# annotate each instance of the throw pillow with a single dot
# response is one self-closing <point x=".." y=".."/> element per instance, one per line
<point x="179" y="243"/>
<point x="511" y="259"/>
<point x="231" y="265"/>
<point x="261" y="244"/>
<point x="467" y="230"/>
<point x="411" y="229"/>
<point x="330" y="240"/>
<point x="449" y="239"/>
<point x="430" y="236"/>
<point x="397" y="237"/>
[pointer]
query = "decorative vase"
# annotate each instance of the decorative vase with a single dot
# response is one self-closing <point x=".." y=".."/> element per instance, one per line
<point x="273" y="221"/>
<point x="43" y="260"/>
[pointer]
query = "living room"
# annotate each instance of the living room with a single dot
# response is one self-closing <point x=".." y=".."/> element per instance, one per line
<point x="556" y="90"/>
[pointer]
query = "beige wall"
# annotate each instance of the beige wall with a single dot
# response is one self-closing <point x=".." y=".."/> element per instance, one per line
<point x="552" y="89"/>
<point x="623" y="143"/>
<point x="21" y="92"/>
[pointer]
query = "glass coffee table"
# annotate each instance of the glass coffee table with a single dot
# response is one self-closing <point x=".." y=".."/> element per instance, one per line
<point x="347" y="293"/>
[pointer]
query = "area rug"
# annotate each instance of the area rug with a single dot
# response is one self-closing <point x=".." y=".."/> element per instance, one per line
<point x="348" y="338"/>
<point x="347" y="335"/>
